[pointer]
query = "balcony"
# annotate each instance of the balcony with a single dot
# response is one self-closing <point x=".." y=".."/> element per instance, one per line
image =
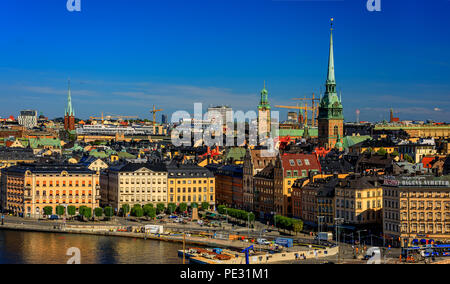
<point x="27" y="197"/>
<point x="98" y="197"/>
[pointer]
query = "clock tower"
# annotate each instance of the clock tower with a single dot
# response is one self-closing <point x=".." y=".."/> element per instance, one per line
<point x="264" y="119"/>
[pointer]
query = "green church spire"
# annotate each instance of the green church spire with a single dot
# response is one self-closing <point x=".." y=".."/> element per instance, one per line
<point x="331" y="79"/>
<point x="330" y="104"/>
<point x="264" y="102"/>
<point x="69" y="109"/>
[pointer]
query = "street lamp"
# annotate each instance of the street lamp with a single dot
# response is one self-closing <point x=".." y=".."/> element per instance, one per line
<point x="338" y="221"/>
<point x="274" y="219"/>
<point x="226" y="212"/>
<point x="319" y="227"/>
<point x="260" y="237"/>
<point x="359" y="236"/>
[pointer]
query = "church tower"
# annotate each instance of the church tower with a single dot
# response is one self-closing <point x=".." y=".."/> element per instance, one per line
<point x="69" y="114"/>
<point x="264" y="119"/>
<point x="331" y="118"/>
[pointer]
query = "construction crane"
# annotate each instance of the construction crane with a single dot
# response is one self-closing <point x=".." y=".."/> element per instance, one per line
<point x="154" y="111"/>
<point x="247" y="254"/>
<point x="95" y="118"/>
<point x="315" y="108"/>
<point x="305" y="108"/>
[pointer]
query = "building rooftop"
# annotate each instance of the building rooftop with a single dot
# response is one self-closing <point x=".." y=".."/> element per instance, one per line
<point x="180" y="170"/>
<point x="132" y="167"/>
<point x="49" y="168"/>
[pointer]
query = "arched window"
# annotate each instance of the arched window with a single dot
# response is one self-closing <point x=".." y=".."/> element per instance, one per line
<point x="336" y="130"/>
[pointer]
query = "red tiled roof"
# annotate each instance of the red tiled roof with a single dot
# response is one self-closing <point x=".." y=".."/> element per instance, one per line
<point x="307" y="162"/>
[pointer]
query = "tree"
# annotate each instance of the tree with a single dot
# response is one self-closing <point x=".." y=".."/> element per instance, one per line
<point x="125" y="209"/>
<point x="149" y="211"/>
<point x="98" y="212"/>
<point x="160" y="207"/>
<point x="135" y="206"/>
<point x="381" y="151"/>
<point x="109" y="212"/>
<point x="251" y="217"/>
<point x="395" y="153"/>
<point x="71" y="210"/>
<point x="86" y="212"/>
<point x="182" y="207"/>
<point x="60" y="210"/>
<point x="221" y="209"/>
<point x="205" y="206"/>
<point x="194" y="205"/>
<point x="147" y="208"/>
<point x="81" y="209"/>
<point x="408" y="158"/>
<point x="138" y="212"/>
<point x="48" y="210"/>
<point x="297" y="226"/>
<point x="171" y="207"/>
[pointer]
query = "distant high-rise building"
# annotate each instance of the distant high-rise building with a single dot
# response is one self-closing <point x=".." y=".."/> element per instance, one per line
<point x="292" y="115"/>
<point x="331" y="118"/>
<point x="264" y="118"/>
<point x="222" y="110"/>
<point x="164" y="119"/>
<point x="69" y="114"/>
<point x="28" y="118"/>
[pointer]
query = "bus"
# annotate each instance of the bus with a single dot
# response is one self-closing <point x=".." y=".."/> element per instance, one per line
<point x="419" y="252"/>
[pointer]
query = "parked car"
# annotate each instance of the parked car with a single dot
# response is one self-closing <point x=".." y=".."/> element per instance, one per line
<point x="263" y="242"/>
<point x="53" y="217"/>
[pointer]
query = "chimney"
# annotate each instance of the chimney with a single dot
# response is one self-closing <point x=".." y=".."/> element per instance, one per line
<point x="311" y="176"/>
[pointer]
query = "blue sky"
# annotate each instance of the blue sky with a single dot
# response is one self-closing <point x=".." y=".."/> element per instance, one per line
<point x="123" y="56"/>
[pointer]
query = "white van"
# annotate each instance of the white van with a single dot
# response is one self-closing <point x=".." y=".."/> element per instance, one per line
<point x="263" y="242"/>
<point x="372" y="252"/>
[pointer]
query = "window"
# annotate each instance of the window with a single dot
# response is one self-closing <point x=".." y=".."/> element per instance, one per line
<point x="299" y="162"/>
<point x="292" y="162"/>
<point x="307" y="162"/>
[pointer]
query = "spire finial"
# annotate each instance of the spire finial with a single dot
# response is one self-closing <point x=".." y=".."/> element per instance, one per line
<point x="330" y="78"/>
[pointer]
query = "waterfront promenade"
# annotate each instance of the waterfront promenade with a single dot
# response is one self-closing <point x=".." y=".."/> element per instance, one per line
<point x="110" y="229"/>
<point x="173" y="235"/>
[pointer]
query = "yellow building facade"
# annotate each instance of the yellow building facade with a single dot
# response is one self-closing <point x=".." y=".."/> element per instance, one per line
<point x="191" y="183"/>
<point x="359" y="200"/>
<point x="417" y="208"/>
<point x="27" y="189"/>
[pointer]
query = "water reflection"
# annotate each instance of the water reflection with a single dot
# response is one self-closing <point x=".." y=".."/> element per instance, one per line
<point x="49" y="248"/>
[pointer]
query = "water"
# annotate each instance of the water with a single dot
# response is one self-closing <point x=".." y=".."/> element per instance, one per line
<point x="18" y="247"/>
